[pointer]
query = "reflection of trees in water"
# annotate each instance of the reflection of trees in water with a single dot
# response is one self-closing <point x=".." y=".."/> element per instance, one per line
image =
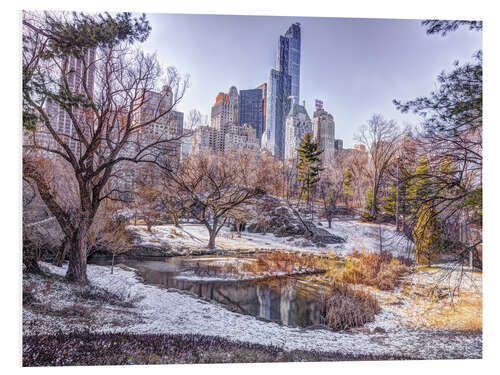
<point x="287" y="305"/>
<point x="276" y="300"/>
<point x="264" y="297"/>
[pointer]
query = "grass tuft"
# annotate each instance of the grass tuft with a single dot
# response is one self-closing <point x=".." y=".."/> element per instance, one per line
<point x="348" y="308"/>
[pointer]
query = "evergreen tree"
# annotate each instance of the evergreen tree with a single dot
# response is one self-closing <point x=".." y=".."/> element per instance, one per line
<point x="428" y="235"/>
<point x="390" y="200"/>
<point x="367" y="212"/>
<point x="348" y="189"/>
<point x="420" y="185"/>
<point x="308" y="166"/>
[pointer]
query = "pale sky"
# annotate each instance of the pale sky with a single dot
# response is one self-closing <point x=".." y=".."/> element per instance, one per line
<point x="356" y="66"/>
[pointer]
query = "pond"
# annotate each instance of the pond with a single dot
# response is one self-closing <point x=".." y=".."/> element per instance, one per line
<point x="288" y="300"/>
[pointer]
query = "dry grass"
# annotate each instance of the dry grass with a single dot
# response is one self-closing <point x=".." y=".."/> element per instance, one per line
<point x="348" y="308"/>
<point x="175" y="233"/>
<point x="432" y="307"/>
<point x="464" y="314"/>
<point x="275" y="263"/>
<point x="279" y="261"/>
<point x="379" y="270"/>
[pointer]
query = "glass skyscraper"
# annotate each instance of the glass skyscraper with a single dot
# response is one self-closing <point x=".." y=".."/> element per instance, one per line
<point x="250" y="110"/>
<point x="293" y="35"/>
<point x="283" y="82"/>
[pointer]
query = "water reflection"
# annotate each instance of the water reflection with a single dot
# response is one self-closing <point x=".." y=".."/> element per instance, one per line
<point x="281" y="300"/>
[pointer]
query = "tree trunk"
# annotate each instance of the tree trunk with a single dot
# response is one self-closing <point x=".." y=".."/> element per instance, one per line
<point x="77" y="268"/>
<point x="112" y="262"/>
<point x="329" y="223"/>
<point x="211" y="241"/>
<point x="374" y="199"/>
<point x="63" y="250"/>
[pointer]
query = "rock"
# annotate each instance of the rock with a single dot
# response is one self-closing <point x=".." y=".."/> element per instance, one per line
<point x="378" y="330"/>
<point x="323" y="236"/>
<point x="283" y="211"/>
<point x="140" y="251"/>
<point x="47" y="234"/>
<point x="304" y="243"/>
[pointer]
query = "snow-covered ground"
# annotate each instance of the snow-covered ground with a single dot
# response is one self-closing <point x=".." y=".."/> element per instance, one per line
<point x="157" y="310"/>
<point x="359" y="236"/>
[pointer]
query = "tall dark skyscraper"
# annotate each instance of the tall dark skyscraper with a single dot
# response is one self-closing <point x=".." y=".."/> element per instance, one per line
<point x="293" y="35"/>
<point x="250" y="110"/>
<point x="283" y="82"/>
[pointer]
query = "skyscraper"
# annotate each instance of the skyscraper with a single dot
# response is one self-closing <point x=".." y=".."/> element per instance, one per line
<point x="323" y="127"/>
<point x="263" y="87"/>
<point x="61" y="122"/>
<point x="298" y="124"/>
<point x="293" y="35"/>
<point x="250" y="110"/>
<point x="283" y="83"/>
<point x="234" y="99"/>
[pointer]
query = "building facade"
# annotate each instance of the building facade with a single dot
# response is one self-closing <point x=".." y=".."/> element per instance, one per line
<point x="294" y="36"/>
<point x="163" y="132"/>
<point x="339" y="144"/>
<point x="323" y="130"/>
<point x="298" y="124"/>
<point x="59" y="119"/>
<point x="250" y="110"/>
<point x="234" y="99"/>
<point x="242" y="137"/>
<point x="263" y="87"/>
<point x="283" y="83"/>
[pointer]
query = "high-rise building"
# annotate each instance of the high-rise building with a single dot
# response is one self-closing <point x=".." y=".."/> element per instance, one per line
<point x="234" y="99"/>
<point x="204" y="139"/>
<point x="323" y="127"/>
<point x="293" y="35"/>
<point x="250" y="110"/>
<point x="59" y="118"/>
<point x="339" y="144"/>
<point x="263" y="87"/>
<point x="298" y="124"/>
<point x="222" y="112"/>
<point x="242" y="137"/>
<point x="283" y="83"/>
<point x="164" y="130"/>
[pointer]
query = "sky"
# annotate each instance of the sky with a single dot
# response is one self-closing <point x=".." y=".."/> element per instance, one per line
<point x="355" y="66"/>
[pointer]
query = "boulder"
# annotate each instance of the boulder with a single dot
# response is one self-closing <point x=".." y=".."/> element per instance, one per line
<point x="323" y="236"/>
<point x="47" y="234"/>
<point x="283" y="211"/>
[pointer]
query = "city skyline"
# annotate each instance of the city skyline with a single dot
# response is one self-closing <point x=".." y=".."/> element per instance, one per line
<point x="355" y="66"/>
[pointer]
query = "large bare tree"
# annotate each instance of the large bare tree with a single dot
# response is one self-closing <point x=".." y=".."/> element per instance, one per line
<point x="212" y="185"/>
<point x="92" y="101"/>
<point x="381" y="138"/>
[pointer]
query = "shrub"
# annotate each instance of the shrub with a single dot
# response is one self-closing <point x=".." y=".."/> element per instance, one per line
<point x="373" y="269"/>
<point x="347" y="308"/>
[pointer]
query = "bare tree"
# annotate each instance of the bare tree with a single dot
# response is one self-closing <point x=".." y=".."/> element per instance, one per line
<point x="213" y="185"/>
<point x="381" y="137"/>
<point x="331" y="185"/>
<point x="108" y="95"/>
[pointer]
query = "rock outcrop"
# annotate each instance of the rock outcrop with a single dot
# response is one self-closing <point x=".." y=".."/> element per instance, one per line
<point x="272" y="216"/>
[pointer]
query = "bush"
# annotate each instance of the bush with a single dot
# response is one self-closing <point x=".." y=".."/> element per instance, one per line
<point x="373" y="269"/>
<point x="347" y="308"/>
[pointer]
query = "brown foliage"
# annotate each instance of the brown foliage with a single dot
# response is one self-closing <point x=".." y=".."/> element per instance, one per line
<point x="347" y="308"/>
<point x="373" y="269"/>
